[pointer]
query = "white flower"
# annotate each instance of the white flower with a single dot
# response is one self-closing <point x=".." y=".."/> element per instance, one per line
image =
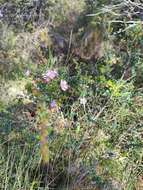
<point x="27" y="73"/>
<point x="1" y="15"/>
<point x="64" y="85"/>
<point x="83" y="101"/>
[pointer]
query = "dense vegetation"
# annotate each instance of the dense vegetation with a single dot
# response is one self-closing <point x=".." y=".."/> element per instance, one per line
<point x="71" y="104"/>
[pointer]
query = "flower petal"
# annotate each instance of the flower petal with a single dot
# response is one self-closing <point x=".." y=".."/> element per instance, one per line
<point x="64" y="85"/>
<point x="53" y="104"/>
<point x="50" y="75"/>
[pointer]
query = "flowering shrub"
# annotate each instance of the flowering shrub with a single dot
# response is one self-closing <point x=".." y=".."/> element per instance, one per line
<point x="74" y="117"/>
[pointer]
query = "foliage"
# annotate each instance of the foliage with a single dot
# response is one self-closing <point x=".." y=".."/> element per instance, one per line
<point x="71" y="119"/>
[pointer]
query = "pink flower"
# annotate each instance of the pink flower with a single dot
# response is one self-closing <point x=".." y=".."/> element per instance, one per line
<point x="47" y="80"/>
<point x="64" y="85"/>
<point x="50" y="75"/>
